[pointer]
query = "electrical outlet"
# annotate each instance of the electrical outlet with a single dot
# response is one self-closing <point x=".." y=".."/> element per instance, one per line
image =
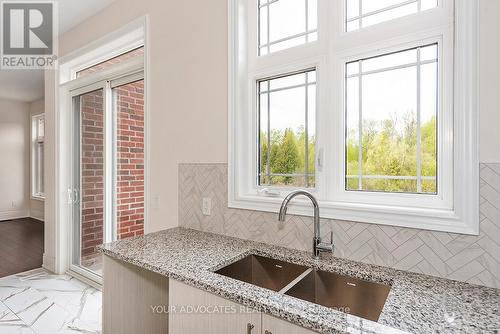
<point x="206" y="207"/>
<point x="14" y="204"/>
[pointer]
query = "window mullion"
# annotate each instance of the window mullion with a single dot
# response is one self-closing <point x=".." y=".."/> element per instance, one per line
<point x="109" y="163"/>
<point x="360" y="124"/>
<point x="306" y="132"/>
<point x="419" y="151"/>
<point x="268" y="134"/>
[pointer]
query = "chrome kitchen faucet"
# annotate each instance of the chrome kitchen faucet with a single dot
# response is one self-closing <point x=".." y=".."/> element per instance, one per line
<point x="318" y="246"/>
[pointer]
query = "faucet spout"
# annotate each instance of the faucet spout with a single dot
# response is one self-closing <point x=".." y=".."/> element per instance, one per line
<point x="318" y="246"/>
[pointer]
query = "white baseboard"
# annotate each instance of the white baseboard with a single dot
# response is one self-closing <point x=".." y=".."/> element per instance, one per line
<point x="37" y="214"/>
<point x="14" y="214"/>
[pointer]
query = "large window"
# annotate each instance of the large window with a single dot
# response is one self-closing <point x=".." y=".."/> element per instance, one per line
<point x="37" y="156"/>
<point x="358" y="102"/>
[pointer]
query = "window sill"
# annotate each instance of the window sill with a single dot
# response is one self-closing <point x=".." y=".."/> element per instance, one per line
<point x="409" y="217"/>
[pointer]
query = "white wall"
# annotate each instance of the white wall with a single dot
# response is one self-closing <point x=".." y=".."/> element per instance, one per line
<point x="490" y="81"/>
<point x="14" y="159"/>
<point x="36" y="206"/>
<point x="188" y="86"/>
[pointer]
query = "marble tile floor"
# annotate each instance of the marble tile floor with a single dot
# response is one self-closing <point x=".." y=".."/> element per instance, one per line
<point x="39" y="302"/>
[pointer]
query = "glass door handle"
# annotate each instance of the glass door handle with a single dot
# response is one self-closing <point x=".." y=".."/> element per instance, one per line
<point x="76" y="196"/>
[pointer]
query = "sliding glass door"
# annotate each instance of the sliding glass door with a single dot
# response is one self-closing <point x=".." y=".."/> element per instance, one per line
<point x="108" y="168"/>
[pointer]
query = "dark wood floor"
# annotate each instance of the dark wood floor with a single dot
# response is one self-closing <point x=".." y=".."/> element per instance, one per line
<point x="21" y="245"/>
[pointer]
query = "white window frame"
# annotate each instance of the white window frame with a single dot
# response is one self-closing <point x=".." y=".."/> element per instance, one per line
<point x="37" y="170"/>
<point x="454" y="28"/>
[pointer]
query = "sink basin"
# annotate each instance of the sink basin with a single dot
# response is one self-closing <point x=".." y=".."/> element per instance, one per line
<point x="344" y="293"/>
<point x="264" y="272"/>
<point x="347" y="294"/>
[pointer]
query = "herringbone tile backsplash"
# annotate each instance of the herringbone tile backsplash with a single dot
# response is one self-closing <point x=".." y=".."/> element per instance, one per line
<point x="474" y="259"/>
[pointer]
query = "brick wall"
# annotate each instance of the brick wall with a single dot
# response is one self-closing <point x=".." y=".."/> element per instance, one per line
<point x="130" y="144"/>
<point x="139" y="52"/>
<point x="92" y="172"/>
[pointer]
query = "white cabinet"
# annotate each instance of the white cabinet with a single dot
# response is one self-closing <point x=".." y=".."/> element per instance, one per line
<point x="195" y="311"/>
<point x="272" y="325"/>
<point x="198" y="312"/>
<point x="128" y="294"/>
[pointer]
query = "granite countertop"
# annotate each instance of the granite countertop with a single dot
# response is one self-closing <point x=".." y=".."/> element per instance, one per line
<point x="416" y="303"/>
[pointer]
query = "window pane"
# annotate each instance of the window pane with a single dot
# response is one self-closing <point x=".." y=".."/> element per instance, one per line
<point x="352" y="132"/>
<point x="263" y="136"/>
<point x="129" y="174"/>
<point x="287" y="130"/>
<point x="429" y="52"/>
<point x="371" y="6"/>
<point x="40" y="169"/>
<point x="428" y="124"/>
<point x="286" y="18"/>
<point x="41" y="128"/>
<point x="364" y="13"/>
<point x="286" y="23"/>
<point x="395" y="125"/>
<point x="352" y="8"/>
<point x="390" y="60"/>
<point x="139" y="52"/>
<point x="263" y="27"/>
<point x="312" y="15"/>
<point x="426" y="4"/>
<point x="389" y="14"/>
<point x="37" y="155"/>
<point x="91" y="111"/>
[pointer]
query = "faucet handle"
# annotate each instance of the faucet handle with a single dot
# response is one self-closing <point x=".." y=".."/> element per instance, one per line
<point x="326" y="246"/>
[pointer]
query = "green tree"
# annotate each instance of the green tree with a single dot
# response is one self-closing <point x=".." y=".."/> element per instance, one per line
<point x="389" y="148"/>
<point x="287" y="159"/>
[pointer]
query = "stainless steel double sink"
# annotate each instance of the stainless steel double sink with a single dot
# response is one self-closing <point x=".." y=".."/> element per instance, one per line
<point x="344" y="293"/>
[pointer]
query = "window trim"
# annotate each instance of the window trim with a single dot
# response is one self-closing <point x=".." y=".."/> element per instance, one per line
<point x="36" y="174"/>
<point x="461" y="217"/>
